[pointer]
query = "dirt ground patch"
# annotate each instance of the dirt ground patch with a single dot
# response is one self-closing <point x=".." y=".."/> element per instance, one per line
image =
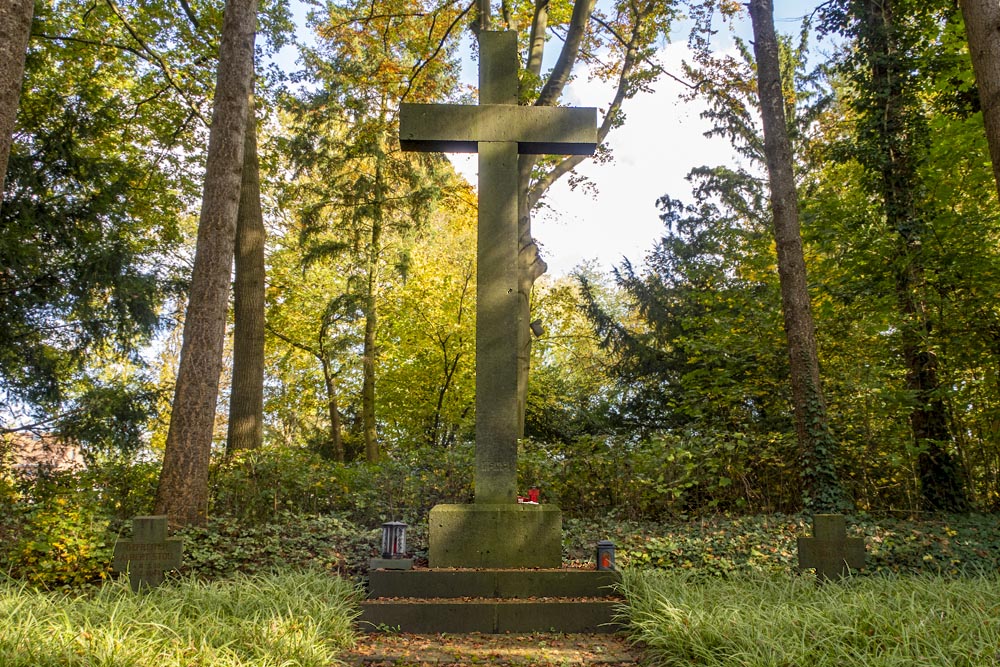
<point x="537" y="650"/>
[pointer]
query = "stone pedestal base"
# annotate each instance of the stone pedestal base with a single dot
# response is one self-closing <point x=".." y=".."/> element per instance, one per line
<point x="390" y="564"/>
<point x="495" y="536"/>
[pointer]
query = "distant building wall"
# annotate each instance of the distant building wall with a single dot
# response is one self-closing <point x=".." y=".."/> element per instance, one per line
<point x="27" y="453"/>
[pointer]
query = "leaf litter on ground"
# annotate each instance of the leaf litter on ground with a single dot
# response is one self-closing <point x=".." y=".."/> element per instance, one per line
<point x="536" y="650"/>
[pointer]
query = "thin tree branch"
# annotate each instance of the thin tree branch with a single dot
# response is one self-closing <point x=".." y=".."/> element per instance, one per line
<point x="158" y="60"/>
<point x="621" y="92"/>
<point x="505" y="13"/>
<point x="582" y="9"/>
<point x="440" y="45"/>
<point x="297" y="345"/>
<point x="190" y="14"/>
<point x="659" y="69"/>
<point x="93" y="42"/>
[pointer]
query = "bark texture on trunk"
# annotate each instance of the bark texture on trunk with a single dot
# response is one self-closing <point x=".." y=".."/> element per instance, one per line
<point x="817" y="445"/>
<point x="182" y="493"/>
<point x="15" y="29"/>
<point x="982" y="26"/>
<point x="246" y="399"/>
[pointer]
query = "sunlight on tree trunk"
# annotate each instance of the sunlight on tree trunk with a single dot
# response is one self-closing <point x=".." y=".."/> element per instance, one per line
<point x="246" y="399"/>
<point x="182" y="493"/>
<point x="15" y="29"/>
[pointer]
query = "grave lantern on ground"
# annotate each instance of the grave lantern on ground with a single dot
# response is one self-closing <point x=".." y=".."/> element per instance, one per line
<point x="605" y="555"/>
<point x="393" y="554"/>
<point x="393" y="539"/>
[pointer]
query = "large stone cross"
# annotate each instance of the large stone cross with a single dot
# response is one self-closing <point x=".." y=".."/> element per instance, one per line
<point x="498" y="129"/>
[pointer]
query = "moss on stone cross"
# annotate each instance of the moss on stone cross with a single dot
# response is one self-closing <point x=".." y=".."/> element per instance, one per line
<point x="149" y="553"/>
<point x="830" y="551"/>
<point x="498" y="130"/>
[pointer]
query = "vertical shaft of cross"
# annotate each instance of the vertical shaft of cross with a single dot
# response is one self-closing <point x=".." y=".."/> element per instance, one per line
<point x="499" y="323"/>
<point x="498" y="129"/>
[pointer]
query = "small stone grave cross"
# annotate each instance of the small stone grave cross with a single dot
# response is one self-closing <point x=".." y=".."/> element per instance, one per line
<point x="149" y="553"/>
<point x="830" y="551"/>
<point x="498" y="130"/>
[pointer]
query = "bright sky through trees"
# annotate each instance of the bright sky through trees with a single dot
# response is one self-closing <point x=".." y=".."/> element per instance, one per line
<point x="660" y="142"/>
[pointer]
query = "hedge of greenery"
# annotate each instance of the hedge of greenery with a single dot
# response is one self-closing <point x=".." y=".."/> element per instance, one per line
<point x="289" y="508"/>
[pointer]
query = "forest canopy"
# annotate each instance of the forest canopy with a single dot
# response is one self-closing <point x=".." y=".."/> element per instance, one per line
<point x="661" y="387"/>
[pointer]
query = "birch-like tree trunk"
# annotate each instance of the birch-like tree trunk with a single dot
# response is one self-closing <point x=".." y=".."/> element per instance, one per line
<point x="246" y="398"/>
<point x="982" y="26"/>
<point x="15" y="29"/>
<point x="182" y="493"/>
<point x="817" y="444"/>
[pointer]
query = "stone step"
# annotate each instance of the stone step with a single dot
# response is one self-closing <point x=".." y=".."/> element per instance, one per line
<point x="435" y="616"/>
<point x="452" y="583"/>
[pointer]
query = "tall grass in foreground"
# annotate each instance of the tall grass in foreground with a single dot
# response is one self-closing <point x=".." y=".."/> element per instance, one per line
<point x="299" y="618"/>
<point x="791" y="622"/>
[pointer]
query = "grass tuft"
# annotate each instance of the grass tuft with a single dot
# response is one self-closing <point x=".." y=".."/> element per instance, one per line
<point x="300" y="618"/>
<point x="884" y="621"/>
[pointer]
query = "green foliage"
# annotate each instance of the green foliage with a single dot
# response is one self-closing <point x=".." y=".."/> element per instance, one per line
<point x="126" y="487"/>
<point x="765" y="545"/>
<point x="666" y="474"/>
<point x="301" y="618"/>
<point x="60" y="528"/>
<point x="257" y="486"/>
<point x="62" y="542"/>
<point x="778" y="620"/>
<point x="327" y="543"/>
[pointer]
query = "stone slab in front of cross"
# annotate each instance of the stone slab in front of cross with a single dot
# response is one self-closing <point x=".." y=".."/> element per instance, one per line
<point x="149" y="553"/>
<point x="829" y="550"/>
<point x="498" y="130"/>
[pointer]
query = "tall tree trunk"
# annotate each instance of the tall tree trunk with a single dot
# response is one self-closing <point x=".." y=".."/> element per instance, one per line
<point x="371" y="321"/>
<point x="334" y="449"/>
<point x="531" y="266"/>
<point x="982" y="26"/>
<point x="182" y="493"/>
<point x="15" y="29"/>
<point x="941" y="484"/>
<point x="246" y="399"/>
<point x="817" y="444"/>
<point x="536" y="39"/>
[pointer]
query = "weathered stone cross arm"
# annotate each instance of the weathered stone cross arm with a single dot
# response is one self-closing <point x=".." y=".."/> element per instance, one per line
<point x="457" y="128"/>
